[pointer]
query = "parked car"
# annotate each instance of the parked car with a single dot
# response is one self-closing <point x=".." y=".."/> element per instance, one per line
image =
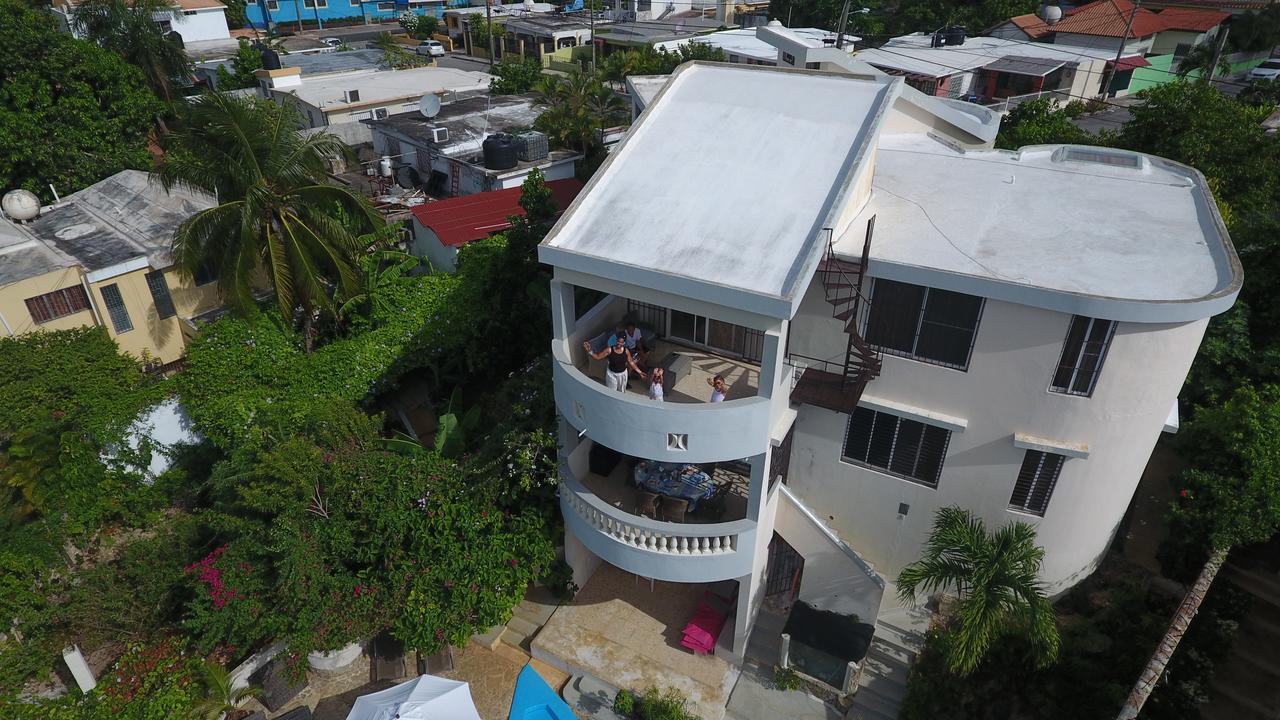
<point x="431" y="48"/>
<point x="1269" y="70"/>
<point x="331" y="41"/>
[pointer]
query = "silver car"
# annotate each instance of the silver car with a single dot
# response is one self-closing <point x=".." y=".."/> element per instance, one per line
<point x="1269" y="70"/>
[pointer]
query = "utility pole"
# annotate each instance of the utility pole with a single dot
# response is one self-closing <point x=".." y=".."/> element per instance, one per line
<point x="1111" y="72"/>
<point x="488" y="19"/>
<point x="591" y="11"/>
<point x="844" y="20"/>
<point x="297" y="5"/>
<point x="1217" y="52"/>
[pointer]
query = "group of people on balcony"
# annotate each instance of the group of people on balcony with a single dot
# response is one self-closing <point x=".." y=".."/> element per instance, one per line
<point x="625" y="351"/>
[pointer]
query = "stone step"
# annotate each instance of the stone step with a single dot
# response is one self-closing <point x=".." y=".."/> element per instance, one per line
<point x="522" y="627"/>
<point x="490" y="638"/>
<point x="1231" y="707"/>
<point x="904" y="642"/>
<point x="879" y="664"/>
<point x="892" y="650"/>
<point x="1262" y="584"/>
<point x="878" y="698"/>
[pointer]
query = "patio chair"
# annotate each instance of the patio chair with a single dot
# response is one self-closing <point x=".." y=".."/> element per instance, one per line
<point x="674" y="509"/>
<point x="647" y="504"/>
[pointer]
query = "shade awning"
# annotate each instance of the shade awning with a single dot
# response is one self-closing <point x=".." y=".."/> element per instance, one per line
<point x="1133" y="62"/>
<point x="1022" y="65"/>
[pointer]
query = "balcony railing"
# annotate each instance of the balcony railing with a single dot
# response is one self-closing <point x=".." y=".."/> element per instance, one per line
<point x="651" y="547"/>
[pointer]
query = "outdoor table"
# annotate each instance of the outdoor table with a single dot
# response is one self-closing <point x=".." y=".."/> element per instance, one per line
<point x="687" y="482"/>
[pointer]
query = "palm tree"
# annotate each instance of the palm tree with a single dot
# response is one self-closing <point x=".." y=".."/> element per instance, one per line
<point x="1201" y="58"/>
<point x="577" y="107"/>
<point x="995" y="577"/>
<point x="220" y="696"/>
<point x="275" y="211"/>
<point x="128" y="28"/>
<point x="395" y="56"/>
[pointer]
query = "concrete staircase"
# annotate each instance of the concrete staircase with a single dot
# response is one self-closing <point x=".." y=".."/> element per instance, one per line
<point x="526" y="620"/>
<point x="1246" y="684"/>
<point x="883" y="685"/>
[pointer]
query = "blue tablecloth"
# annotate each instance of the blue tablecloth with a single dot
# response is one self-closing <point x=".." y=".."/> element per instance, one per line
<point x="687" y="482"/>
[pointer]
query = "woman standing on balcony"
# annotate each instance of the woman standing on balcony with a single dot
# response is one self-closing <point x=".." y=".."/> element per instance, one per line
<point x="718" y="388"/>
<point x="615" y="374"/>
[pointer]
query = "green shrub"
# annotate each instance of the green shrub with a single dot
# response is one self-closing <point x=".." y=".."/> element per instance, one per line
<point x="624" y="703"/>
<point x="786" y="679"/>
<point x="669" y="704"/>
<point x="1073" y="109"/>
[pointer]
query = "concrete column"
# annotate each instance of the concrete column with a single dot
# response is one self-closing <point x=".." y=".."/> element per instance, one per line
<point x="563" y="311"/>
<point x="749" y="594"/>
<point x="758" y="487"/>
<point x="582" y="561"/>
<point x="79" y="668"/>
<point x="773" y="360"/>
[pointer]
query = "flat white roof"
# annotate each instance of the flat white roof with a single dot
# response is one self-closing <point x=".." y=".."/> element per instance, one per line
<point x="721" y="190"/>
<point x="1093" y="231"/>
<point x="326" y="92"/>
<point x="912" y="54"/>
<point x="744" y="42"/>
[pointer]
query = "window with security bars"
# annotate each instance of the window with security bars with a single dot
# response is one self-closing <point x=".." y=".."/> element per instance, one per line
<point x="907" y="448"/>
<point x="1082" y="355"/>
<point x="1036" y="479"/>
<point x="160" y="294"/>
<point x="115" y="308"/>
<point x="935" y="326"/>
<point x="59" y="303"/>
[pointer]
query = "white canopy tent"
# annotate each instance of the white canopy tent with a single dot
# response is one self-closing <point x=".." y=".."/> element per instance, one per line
<point x="426" y="697"/>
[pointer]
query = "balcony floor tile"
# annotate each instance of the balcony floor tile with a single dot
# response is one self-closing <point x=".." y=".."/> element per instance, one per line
<point x="743" y="377"/>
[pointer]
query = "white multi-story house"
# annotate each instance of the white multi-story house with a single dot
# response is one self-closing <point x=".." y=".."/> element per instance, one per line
<point x="907" y="319"/>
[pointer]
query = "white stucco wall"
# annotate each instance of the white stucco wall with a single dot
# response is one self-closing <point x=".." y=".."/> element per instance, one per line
<point x="427" y="245"/>
<point x="205" y="24"/>
<point x="1139" y="46"/>
<point x="1005" y="391"/>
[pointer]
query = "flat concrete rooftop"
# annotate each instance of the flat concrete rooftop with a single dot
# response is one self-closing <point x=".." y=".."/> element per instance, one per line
<point x="1063" y="227"/>
<point x="725" y="183"/>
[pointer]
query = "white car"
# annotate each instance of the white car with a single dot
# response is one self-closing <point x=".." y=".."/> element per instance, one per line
<point x="1269" y="70"/>
<point x="431" y="48"/>
<point x="331" y="41"/>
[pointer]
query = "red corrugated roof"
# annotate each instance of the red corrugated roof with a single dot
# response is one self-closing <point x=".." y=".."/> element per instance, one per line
<point x="457" y="221"/>
<point x="1193" y="19"/>
<point x="1109" y="18"/>
<point x="1133" y="62"/>
<point x="1031" y="24"/>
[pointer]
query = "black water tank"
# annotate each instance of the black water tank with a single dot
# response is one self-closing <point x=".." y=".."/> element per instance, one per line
<point x="270" y="59"/>
<point x="954" y="35"/>
<point x="501" y="151"/>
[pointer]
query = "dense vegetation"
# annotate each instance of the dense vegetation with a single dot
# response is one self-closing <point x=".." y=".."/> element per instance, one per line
<point x="297" y="517"/>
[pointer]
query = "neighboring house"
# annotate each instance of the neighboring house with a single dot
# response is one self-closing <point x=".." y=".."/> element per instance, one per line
<point x="668" y="34"/>
<point x="988" y="68"/>
<point x="264" y="13"/>
<point x="100" y="256"/>
<point x="1185" y="28"/>
<point x="444" y="154"/>
<point x="193" y="20"/>
<point x="658" y="10"/>
<point x="913" y="321"/>
<point x="441" y="228"/>
<point x="456" y="18"/>
<point x="311" y="64"/>
<point x="1027" y="28"/>
<point x="537" y="34"/>
<point x="743" y="46"/>
<point x="370" y="94"/>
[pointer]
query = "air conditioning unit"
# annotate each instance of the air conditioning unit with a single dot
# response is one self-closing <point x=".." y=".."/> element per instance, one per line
<point x="351" y="96"/>
<point x="380" y="114"/>
<point x="439" y="134"/>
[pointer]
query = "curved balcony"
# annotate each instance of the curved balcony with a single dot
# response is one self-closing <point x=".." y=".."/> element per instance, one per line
<point x="676" y="552"/>
<point x="671" y="431"/>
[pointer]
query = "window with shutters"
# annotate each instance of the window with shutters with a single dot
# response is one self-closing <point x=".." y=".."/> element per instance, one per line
<point x="1036" y="479"/>
<point x="59" y="303"/>
<point x="116" y="309"/>
<point x="935" y="326"/>
<point x="1082" y="355"/>
<point x="160" y="294"/>
<point x="907" y="448"/>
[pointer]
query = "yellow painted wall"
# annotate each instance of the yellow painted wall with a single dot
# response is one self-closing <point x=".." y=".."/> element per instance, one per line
<point x="151" y="337"/>
<point x="14" y="308"/>
<point x="191" y="299"/>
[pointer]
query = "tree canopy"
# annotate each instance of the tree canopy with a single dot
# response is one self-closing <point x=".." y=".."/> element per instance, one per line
<point x="128" y="28"/>
<point x="71" y="112"/>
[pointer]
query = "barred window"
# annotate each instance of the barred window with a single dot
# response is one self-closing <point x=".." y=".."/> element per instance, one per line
<point x="115" y="307"/>
<point x="937" y="326"/>
<point x="907" y="448"/>
<point x="1082" y="355"/>
<point x="160" y="294"/>
<point x="58" y="303"/>
<point x="1036" y="480"/>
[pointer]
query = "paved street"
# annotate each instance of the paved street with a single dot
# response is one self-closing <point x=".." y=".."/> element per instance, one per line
<point x="459" y="61"/>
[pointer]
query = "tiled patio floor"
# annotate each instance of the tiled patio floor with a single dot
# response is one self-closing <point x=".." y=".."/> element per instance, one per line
<point x="743" y="377"/>
<point x="627" y="635"/>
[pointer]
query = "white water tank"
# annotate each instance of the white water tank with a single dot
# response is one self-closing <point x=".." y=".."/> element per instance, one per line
<point x="1051" y="14"/>
<point x="20" y="205"/>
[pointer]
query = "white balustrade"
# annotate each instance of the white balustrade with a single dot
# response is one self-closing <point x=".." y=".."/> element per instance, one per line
<point x="659" y="537"/>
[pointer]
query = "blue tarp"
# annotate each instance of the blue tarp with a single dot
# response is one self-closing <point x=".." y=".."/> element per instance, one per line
<point x="535" y="700"/>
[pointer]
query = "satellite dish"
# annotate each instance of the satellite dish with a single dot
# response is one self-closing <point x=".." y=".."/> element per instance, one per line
<point x="429" y="105"/>
<point x="528" y="6"/>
